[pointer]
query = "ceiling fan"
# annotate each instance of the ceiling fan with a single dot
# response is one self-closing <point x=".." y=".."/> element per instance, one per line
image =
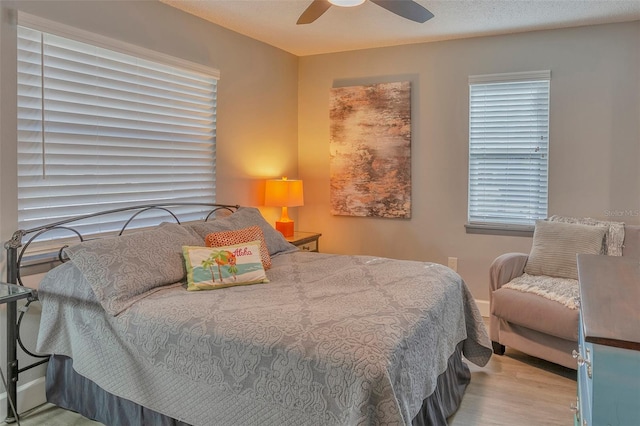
<point x="406" y="8"/>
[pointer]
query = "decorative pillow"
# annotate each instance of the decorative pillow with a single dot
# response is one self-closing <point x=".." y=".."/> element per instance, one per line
<point x="613" y="239"/>
<point x="244" y="218"/>
<point x="202" y="229"/>
<point x="122" y="270"/>
<point x="555" y="245"/>
<point x="217" y="267"/>
<point x="252" y="233"/>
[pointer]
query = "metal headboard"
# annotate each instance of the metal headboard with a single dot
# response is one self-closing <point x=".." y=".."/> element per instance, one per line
<point x="17" y="247"/>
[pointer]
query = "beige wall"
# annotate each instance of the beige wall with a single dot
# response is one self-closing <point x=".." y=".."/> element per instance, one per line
<point x="594" y="138"/>
<point x="257" y="100"/>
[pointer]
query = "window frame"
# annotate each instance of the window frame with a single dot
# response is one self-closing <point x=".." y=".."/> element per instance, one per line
<point x="512" y="228"/>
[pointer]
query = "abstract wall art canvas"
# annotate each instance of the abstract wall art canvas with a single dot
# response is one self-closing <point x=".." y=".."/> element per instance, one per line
<point x="370" y="150"/>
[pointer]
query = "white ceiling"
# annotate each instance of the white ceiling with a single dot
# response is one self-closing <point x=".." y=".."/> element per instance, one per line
<point x="369" y="25"/>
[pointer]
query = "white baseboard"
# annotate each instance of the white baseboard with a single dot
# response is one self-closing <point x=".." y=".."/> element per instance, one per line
<point x="30" y="395"/>
<point x="483" y="306"/>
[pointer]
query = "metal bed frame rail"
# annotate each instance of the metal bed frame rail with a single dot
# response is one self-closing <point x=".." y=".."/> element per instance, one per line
<point x="15" y="251"/>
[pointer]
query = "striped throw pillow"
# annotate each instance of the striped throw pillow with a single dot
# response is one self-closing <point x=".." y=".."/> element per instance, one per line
<point x="556" y="244"/>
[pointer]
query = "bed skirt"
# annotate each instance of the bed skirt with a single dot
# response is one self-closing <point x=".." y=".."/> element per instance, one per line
<point x="71" y="391"/>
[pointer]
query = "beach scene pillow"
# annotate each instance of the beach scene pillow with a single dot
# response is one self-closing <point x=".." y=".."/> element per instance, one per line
<point x="252" y="233"/>
<point x="211" y="268"/>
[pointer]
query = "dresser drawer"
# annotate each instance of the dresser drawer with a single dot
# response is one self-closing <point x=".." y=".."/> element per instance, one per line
<point x="310" y="246"/>
<point x="305" y="241"/>
<point x="615" y="387"/>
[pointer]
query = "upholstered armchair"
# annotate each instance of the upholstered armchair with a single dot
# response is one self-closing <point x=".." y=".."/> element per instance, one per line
<point x="534" y="297"/>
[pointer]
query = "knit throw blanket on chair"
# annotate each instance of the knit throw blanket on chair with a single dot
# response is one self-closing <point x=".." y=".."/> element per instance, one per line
<point x="562" y="290"/>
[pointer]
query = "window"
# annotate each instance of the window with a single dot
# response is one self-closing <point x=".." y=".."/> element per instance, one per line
<point x="508" y="150"/>
<point x="101" y="129"/>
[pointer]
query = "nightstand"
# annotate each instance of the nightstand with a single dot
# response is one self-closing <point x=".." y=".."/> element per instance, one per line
<point x="306" y="241"/>
<point x="10" y="294"/>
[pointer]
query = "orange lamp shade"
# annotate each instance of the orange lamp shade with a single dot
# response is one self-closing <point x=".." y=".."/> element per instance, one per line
<point x="284" y="193"/>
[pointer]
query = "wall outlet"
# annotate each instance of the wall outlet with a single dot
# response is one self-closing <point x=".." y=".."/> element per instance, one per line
<point x="453" y="263"/>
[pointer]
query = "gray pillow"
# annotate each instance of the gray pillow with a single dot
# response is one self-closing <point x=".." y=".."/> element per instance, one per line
<point x="244" y="218"/>
<point x="122" y="270"/>
<point x="556" y="244"/>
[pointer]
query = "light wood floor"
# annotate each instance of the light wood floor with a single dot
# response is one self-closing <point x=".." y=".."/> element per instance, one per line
<point x="511" y="390"/>
<point x="517" y="390"/>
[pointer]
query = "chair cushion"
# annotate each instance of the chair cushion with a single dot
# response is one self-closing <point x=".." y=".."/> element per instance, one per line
<point x="535" y="312"/>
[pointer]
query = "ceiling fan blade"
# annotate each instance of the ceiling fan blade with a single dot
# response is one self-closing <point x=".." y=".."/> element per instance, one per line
<point x="314" y="11"/>
<point x="406" y="8"/>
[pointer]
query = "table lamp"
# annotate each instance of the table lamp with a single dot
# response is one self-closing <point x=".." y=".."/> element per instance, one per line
<point x="284" y="193"/>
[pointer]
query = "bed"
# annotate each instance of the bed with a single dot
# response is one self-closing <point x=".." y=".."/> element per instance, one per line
<point x="328" y="340"/>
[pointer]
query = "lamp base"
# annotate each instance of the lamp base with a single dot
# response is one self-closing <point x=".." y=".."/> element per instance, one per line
<point x="285" y="228"/>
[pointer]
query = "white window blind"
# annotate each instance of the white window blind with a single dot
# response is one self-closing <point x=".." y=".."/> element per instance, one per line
<point x="99" y="129"/>
<point x="508" y="148"/>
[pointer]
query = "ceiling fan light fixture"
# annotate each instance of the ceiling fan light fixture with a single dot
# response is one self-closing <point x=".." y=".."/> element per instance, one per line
<point x="346" y="3"/>
<point x="408" y="9"/>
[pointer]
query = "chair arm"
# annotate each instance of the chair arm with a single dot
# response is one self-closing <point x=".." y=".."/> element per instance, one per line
<point x="505" y="268"/>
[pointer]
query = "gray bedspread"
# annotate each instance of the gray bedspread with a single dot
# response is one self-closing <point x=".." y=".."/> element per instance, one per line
<point x="331" y="340"/>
